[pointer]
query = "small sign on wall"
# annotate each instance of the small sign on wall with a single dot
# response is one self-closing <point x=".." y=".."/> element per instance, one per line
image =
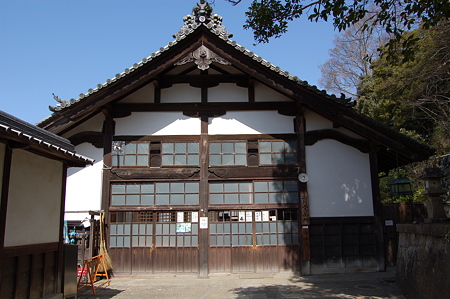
<point x="389" y="222"/>
<point x="194" y="216"/>
<point x="203" y="222"/>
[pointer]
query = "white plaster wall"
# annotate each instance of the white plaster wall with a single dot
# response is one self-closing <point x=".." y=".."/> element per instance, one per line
<point x="181" y="93"/>
<point x="157" y="123"/>
<point x="93" y="124"/>
<point x="84" y="185"/>
<point x="315" y="121"/>
<point x="339" y="180"/>
<point x="227" y="92"/>
<point x="34" y="201"/>
<point x="266" y="94"/>
<point x="143" y="95"/>
<point x="2" y="165"/>
<point x="251" y="122"/>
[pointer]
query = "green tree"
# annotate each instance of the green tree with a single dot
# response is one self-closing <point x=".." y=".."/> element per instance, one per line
<point x="414" y="96"/>
<point x="270" y="18"/>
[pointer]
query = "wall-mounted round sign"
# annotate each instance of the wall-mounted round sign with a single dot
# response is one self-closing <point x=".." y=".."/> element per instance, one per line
<point x="303" y="177"/>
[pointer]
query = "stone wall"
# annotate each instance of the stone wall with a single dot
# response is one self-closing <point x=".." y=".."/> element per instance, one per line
<point x="423" y="261"/>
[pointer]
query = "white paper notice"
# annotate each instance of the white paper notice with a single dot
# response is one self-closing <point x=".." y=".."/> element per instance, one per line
<point x="241" y="216"/>
<point x="265" y="215"/>
<point x="258" y="216"/>
<point x="248" y="216"/>
<point x="203" y="222"/>
<point x="194" y="217"/>
<point x="180" y="216"/>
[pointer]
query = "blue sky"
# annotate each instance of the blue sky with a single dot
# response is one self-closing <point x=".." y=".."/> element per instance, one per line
<point x="68" y="46"/>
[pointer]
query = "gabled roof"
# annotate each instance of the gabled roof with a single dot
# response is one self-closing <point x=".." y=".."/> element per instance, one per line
<point x="30" y="137"/>
<point x="205" y="29"/>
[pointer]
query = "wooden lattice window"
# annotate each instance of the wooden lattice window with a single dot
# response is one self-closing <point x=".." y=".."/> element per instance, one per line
<point x="228" y="153"/>
<point x="180" y="153"/>
<point x="130" y="154"/>
<point x="277" y="152"/>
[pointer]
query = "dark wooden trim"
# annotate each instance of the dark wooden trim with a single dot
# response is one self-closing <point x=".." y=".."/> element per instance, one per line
<point x="212" y="138"/>
<point x="336" y="220"/>
<point x="108" y="132"/>
<point x="251" y="91"/>
<point x="311" y="137"/>
<point x="203" y="81"/>
<point x="60" y="255"/>
<point x="278" y="171"/>
<point x="30" y="249"/>
<point x="213" y="173"/>
<point x="120" y="109"/>
<point x="203" y="234"/>
<point x="4" y="202"/>
<point x="94" y="138"/>
<point x="378" y="211"/>
<point x="300" y="128"/>
<point x="157" y="92"/>
<point x="154" y="173"/>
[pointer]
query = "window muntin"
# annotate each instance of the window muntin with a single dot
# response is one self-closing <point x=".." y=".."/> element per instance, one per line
<point x="257" y="192"/>
<point x="180" y="153"/>
<point x="130" y="154"/>
<point x="137" y="229"/>
<point x="168" y="235"/>
<point x="151" y="194"/>
<point x="230" y="193"/>
<point x="276" y="192"/>
<point x="277" y="152"/>
<point x="263" y="228"/>
<point x="174" y="193"/>
<point x="132" y="194"/>
<point x="131" y="229"/>
<point x="228" y="153"/>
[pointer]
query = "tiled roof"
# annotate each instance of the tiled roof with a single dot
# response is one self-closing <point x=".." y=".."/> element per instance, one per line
<point x="30" y="134"/>
<point x="202" y="15"/>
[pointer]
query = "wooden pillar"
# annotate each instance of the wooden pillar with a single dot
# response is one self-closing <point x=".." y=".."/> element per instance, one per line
<point x="59" y="271"/>
<point x="303" y="192"/>
<point x="108" y="133"/>
<point x="204" y="198"/>
<point x="4" y="202"/>
<point x="377" y="210"/>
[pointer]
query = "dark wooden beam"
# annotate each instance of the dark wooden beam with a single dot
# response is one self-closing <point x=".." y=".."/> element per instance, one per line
<point x="202" y="81"/>
<point x="94" y="138"/>
<point x="311" y="137"/>
<point x="120" y="110"/>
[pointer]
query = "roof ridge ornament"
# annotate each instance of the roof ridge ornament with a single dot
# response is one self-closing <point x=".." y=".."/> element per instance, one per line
<point x="202" y="14"/>
<point x="203" y="57"/>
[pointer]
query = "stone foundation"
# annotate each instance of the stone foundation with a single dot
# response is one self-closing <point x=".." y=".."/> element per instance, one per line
<point x="423" y="261"/>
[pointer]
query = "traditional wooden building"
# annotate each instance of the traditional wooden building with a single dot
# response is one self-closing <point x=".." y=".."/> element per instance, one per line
<point x="33" y="169"/>
<point x="213" y="160"/>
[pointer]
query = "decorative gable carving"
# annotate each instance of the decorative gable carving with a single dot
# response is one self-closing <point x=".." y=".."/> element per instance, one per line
<point x="203" y="57"/>
<point x="202" y="14"/>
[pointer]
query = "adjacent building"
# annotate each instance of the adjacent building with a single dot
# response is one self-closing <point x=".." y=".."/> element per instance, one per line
<point x="210" y="159"/>
<point x="33" y="170"/>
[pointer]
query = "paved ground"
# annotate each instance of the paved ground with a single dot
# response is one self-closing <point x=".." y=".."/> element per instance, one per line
<point x="257" y="286"/>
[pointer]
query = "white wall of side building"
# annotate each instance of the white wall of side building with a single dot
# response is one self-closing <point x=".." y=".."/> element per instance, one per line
<point x="339" y="175"/>
<point x="84" y="185"/>
<point x="34" y="200"/>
